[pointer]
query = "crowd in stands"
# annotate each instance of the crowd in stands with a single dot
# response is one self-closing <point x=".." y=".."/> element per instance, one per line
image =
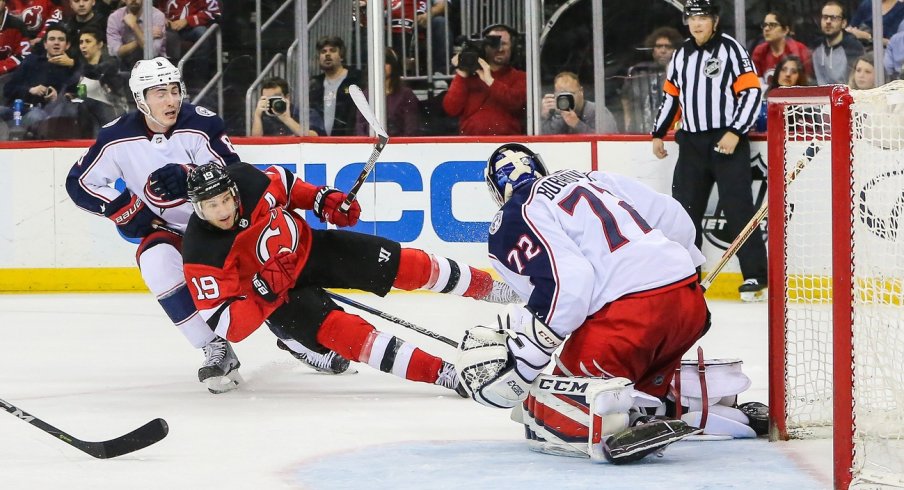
<point x="66" y="64"/>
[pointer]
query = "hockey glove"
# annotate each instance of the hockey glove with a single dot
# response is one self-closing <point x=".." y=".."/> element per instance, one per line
<point x="276" y="277"/>
<point x="131" y="216"/>
<point x="497" y="367"/>
<point x="169" y="182"/>
<point x="326" y="207"/>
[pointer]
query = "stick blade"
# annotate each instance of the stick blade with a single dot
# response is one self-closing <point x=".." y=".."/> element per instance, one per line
<point x="140" y="438"/>
<point x="364" y="108"/>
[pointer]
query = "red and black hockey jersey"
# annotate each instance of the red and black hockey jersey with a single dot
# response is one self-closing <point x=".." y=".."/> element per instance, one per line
<point x="13" y="34"/>
<point x="196" y="12"/>
<point x="36" y="14"/>
<point x="219" y="264"/>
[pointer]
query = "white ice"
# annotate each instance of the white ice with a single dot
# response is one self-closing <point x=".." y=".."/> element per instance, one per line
<point x="100" y="365"/>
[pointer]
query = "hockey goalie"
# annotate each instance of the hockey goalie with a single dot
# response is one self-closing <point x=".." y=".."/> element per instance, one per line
<point x="608" y="270"/>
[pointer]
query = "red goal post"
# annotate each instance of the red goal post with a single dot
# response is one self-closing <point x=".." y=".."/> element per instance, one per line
<point x="836" y="276"/>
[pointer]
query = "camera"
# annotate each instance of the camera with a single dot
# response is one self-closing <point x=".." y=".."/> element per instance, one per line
<point x="474" y="48"/>
<point x="277" y="104"/>
<point x="565" y="101"/>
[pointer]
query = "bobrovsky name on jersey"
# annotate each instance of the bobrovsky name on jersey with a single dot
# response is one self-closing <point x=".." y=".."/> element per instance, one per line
<point x="408" y="201"/>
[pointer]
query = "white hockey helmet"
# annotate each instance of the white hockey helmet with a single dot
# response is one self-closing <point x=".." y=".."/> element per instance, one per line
<point x="152" y="73"/>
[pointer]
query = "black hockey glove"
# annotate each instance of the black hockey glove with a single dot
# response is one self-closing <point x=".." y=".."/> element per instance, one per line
<point x="169" y="182"/>
<point x="130" y="215"/>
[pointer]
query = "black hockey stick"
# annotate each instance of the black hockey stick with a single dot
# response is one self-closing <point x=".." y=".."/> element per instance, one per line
<point x="382" y="138"/>
<point x="394" y="319"/>
<point x="140" y="438"/>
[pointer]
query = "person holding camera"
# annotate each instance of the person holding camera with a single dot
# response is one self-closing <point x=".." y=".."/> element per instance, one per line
<point x="275" y="116"/>
<point x="566" y="111"/>
<point x="490" y="96"/>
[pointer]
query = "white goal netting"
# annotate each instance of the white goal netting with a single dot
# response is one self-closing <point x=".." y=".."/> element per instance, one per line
<point x="814" y="385"/>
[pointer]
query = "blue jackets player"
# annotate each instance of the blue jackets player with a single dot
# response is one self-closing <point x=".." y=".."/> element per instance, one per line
<point x="151" y="150"/>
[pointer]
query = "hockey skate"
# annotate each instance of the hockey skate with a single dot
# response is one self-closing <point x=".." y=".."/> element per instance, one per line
<point x="329" y="363"/>
<point x="753" y="291"/>
<point x="635" y="443"/>
<point x="220" y="371"/>
<point x="502" y="293"/>
<point x="447" y="377"/>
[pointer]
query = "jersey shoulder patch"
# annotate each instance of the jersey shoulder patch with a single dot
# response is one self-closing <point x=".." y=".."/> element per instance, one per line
<point x="203" y="111"/>
<point x="496" y="223"/>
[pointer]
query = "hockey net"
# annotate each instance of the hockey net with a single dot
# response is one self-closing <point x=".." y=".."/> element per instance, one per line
<point x="836" y="301"/>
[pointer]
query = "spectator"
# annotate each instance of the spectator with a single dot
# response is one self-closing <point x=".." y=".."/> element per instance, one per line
<point x="493" y="99"/>
<point x="401" y="103"/>
<point x="269" y="120"/>
<point x="125" y="33"/>
<point x="862" y="21"/>
<point x="777" y="44"/>
<point x="402" y="17"/>
<point x="105" y="89"/>
<point x="894" y="56"/>
<point x="83" y="16"/>
<point x="789" y="72"/>
<point x="439" y="44"/>
<point x="833" y="56"/>
<point x="186" y="22"/>
<point x="863" y="75"/>
<point x="329" y="90"/>
<point x="580" y="118"/>
<point x="13" y="33"/>
<point x="42" y="78"/>
<point x="642" y="88"/>
<point x="38" y="15"/>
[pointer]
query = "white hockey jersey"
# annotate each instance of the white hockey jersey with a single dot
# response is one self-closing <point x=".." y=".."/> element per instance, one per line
<point x="573" y="242"/>
<point x="126" y="149"/>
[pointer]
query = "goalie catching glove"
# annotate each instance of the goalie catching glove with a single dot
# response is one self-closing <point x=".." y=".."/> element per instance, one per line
<point x="497" y="367"/>
<point x="326" y="207"/>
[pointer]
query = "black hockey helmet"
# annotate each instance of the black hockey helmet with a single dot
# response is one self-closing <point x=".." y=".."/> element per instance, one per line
<point x="511" y="166"/>
<point x="207" y="181"/>
<point x="700" y="7"/>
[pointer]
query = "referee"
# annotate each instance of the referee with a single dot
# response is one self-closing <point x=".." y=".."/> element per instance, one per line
<point x="713" y="81"/>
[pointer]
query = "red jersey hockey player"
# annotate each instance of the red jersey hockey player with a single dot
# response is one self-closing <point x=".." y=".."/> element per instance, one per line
<point x="250" y="257"/>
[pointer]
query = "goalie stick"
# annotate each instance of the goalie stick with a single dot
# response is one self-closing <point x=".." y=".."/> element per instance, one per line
<point x="394" y="319"/>
<point x="140" y="438"/>
<point x="382" y="138"/>
<point x="754" y="223"/>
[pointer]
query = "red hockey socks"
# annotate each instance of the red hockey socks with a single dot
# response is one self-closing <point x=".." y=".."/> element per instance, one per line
<point x="353" y="338"/>
<point x="420" y="270"/>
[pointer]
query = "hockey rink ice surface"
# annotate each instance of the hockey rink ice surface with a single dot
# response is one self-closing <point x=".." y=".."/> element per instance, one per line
<point x="100" y="365"/>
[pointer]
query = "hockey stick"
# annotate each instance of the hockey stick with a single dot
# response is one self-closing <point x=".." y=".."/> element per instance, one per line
<point x="394" y="319"/>
<point x="140" y="438"/>
<point x="364" y="108"/>
<point x="754" y="223"/>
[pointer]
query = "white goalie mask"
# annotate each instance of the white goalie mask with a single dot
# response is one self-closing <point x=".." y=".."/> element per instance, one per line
<point x="511" y="166"/>
<point x="153" y="73"/>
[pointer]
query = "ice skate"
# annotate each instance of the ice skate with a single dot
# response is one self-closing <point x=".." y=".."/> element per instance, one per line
<point x="502" y="294"/>
<point x="329" y="363"/>
<point x="220" y="370"/>
<point x="753" y="291"/>
<point x="447" y="377"/>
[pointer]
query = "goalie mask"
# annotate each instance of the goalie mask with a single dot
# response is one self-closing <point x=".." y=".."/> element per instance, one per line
<point x="511" y="166"/>
<point x="208" y="181"/>
<point x="147" y="74"/>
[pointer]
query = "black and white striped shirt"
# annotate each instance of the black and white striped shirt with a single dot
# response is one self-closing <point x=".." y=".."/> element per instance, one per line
<point x="716" y="86"/>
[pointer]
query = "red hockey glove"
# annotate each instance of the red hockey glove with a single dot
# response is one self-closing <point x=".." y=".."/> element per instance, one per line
<point x="131" y="216"/>
<point x="326" y="207"/>
<point x="276" y="277"/>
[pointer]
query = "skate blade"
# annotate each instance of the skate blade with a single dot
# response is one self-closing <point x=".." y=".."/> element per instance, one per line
<point x="222" y="384"/>
<point x="754" y="297"/>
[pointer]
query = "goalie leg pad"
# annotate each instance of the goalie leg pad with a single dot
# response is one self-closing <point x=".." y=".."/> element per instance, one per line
<point x="572" y="416"/>
<point x="724" y="382"/>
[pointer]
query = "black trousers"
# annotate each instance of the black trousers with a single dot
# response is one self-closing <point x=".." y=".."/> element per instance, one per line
<point x="699" y="167"/>
<point x="338" y="259"/>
